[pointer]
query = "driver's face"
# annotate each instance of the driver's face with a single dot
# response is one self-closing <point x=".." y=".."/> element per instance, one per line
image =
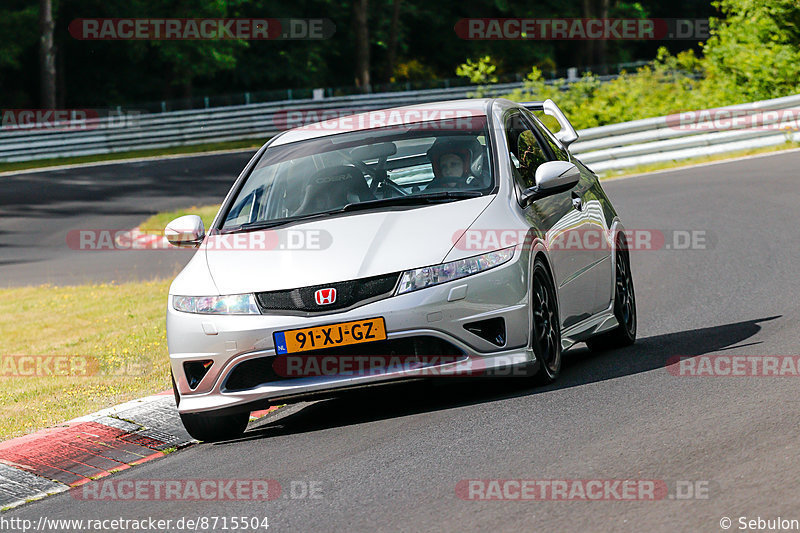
<point x="452" y="166"/>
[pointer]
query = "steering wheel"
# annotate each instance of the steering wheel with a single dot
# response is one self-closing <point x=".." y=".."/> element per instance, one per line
<point x="438" y="184"/>
<point x="333" y="188"/>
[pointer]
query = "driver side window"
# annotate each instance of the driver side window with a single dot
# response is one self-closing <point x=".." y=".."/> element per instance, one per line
<point x="525" y="151"/>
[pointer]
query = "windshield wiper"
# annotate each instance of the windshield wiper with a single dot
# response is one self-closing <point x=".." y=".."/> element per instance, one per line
<point x="413" y="199"/>
<point x="266" y="224"/>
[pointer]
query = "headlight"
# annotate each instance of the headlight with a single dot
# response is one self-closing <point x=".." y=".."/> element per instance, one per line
<point x="237" y="304"/>
<point x="420" y="278"/>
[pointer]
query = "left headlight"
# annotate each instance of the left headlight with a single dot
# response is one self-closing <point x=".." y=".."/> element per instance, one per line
<point x="235" y="304"/>
<point x="420" y="278"/>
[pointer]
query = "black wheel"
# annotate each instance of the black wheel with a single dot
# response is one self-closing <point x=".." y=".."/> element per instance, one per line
<point x="545" y="328"/>
<point x="213" y="428"/>
<point x="624" y="307"/>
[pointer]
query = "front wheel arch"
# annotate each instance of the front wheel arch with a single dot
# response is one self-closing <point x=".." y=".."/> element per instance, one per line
<point x="549" y="365"/>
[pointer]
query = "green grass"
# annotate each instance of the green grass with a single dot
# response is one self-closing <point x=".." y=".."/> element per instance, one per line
<point x="156" y="223"/>
<point x="176" y="150"/>
<point x="665" y="165"/>
<point x="119" y="327"/>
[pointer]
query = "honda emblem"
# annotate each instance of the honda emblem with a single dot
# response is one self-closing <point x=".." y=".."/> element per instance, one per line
<point x="325" y="296"/>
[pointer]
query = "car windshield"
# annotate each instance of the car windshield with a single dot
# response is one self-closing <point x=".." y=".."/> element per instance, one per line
<point x="411" y="164"/>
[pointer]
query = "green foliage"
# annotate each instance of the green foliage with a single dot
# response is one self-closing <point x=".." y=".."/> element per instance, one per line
<point x="737" y="68"/>
<point x="666" y="86"/>
<point x="753" y="53"/>
<point x="412" y="70"/>
<point x="19" y="28"/>
<point x="187" y="60"/>
<point x="755" y="50"/>
<point x="479" y="71"/>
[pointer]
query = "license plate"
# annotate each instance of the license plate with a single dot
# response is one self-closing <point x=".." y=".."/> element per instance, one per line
<point x="318" y="337"/>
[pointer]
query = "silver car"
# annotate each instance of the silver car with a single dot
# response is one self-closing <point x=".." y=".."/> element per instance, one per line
<point x="448" y="239"/>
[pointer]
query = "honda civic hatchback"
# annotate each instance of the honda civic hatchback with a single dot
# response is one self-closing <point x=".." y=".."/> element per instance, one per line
<point x="447" y="239"/>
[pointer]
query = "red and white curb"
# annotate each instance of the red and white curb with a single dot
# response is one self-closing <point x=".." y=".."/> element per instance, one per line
<point x="68" y="455"/>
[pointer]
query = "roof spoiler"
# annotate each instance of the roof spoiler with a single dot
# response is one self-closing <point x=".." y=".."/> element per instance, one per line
<point x="567" y="134"/>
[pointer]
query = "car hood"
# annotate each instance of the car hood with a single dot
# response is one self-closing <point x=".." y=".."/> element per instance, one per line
<point x="339" y="248"/>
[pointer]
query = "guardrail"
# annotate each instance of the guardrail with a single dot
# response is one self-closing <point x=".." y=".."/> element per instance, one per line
<point x="181" y="128"/>
<point x="617" y="146"/>
<point x="690" y="134"/>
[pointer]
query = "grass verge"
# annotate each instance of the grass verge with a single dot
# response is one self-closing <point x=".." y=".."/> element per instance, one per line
<point x="157" y="222"/>
<point x="119" y="329"/>
<point x="175" y="150"/>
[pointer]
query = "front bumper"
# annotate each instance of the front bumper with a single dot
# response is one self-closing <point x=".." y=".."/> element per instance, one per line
<point x="440" y="312"/>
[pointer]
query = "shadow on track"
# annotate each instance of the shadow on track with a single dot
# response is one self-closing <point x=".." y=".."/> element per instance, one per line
<point x="579" y="368"/>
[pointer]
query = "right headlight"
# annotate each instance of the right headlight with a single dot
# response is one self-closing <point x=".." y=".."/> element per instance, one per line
<point x="235" y="304"/>
<point x="421" y="278"/>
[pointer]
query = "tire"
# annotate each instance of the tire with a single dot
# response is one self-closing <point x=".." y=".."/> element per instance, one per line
<point x="545" y="336"/>
<point x="175" y="389"/>
<point x="624" y="307"/>
<point x="210" y="427"/>
<point x="213" y="428"/>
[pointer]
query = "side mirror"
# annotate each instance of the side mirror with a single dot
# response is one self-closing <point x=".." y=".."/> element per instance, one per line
<point x="552" y="177"/>
<point x="185" y="232"/>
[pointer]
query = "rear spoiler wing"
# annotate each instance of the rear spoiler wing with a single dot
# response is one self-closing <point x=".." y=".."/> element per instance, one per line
<point x="567" y="134"/>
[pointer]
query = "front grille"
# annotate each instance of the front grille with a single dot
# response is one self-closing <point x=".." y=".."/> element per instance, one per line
<point x="424" y="351"/>
<point x="348" y="294"/>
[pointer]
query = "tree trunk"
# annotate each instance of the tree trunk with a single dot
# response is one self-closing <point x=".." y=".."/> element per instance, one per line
<point x="589" y="48"/>
<point x="360" y="8"/>
<point x="61" y="82"/>
<point x="187" y="89"/>
<point x="392" y="52"/>
<point x="47" y="55"/>
<point x="602" y="46"/>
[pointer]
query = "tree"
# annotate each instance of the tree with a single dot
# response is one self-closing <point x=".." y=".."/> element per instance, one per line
<point x="391" y="53"/>
<point x="361" y="29"/>
<point x="755" y="49"/>
<point x="184" y="61"/>
<point x="47" y="55"/>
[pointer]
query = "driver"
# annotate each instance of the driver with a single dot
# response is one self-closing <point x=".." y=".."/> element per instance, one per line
<point x="451" y="159"/>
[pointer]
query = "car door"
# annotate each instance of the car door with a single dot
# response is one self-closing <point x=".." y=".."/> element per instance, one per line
<point x="594" y="238"/>
<point x="557" y="217"/>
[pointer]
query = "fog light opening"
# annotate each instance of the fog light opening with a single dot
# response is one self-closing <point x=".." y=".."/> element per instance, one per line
<point x="195" y="371"/>
<point x="492" y="330"/>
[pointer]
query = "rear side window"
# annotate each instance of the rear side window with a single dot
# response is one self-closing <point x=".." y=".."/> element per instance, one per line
<point x="549" y="139"/>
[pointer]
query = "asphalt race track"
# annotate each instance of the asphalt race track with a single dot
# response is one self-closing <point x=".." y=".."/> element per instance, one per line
<point x="39" y="209"/>
<point x="391" y="460"/>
